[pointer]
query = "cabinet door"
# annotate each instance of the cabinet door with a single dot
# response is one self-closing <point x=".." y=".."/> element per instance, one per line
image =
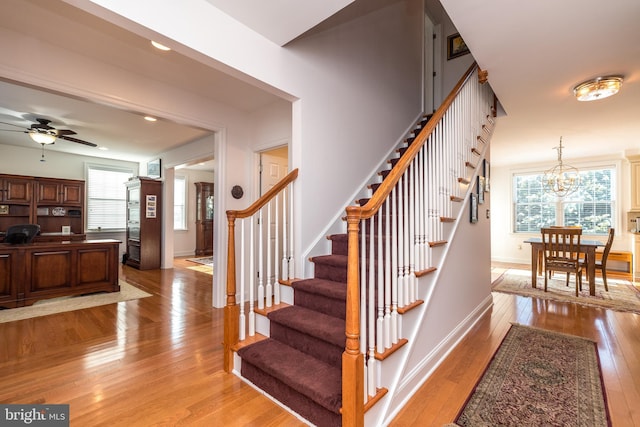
<point x="72" y="194"/>
<point x="635" y="185"/>
<point x="52" y="192"/>
<point x="49" y="192"/>
<point x="17" y="190"/>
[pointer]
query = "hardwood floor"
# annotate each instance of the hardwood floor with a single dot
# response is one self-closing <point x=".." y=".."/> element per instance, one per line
<point x="157" y="361"/>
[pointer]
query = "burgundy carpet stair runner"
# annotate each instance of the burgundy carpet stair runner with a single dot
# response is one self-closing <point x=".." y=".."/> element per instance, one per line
<point x="300" y="364"/>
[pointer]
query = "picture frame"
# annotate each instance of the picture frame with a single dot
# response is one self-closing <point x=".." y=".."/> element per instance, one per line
<point x="456" y="46"/>
<point x="480" y="188"/>
<point x="473" y="208"/>
<point x="486" y="171"/>
<point x="154" y="168"/>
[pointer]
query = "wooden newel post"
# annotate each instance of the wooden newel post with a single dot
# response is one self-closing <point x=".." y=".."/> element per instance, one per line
<point x="352" y="358"/>
<point x="231" y="309"/>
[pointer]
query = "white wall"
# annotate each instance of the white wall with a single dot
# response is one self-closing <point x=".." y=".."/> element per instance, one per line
<point x="353" y="85"/>
<point x="26" y="161"/>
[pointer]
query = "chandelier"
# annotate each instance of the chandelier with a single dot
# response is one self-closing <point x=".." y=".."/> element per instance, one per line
<point x="561" y="179"/>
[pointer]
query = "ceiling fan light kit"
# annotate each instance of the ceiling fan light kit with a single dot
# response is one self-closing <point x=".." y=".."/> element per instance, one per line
<point x="598" y="88"/>
<point x="42" y="137"/>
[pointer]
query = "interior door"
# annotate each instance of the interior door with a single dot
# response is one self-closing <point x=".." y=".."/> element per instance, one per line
<point x="273" y="167"/>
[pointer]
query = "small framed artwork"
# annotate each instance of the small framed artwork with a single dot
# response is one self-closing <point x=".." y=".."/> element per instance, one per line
<point x="456" y="46"/>
<point x="4" y="209"/>
<point x="154" y="168"/>
<point x="480" y="187"/>
<point x="151" y="206"/>
<point x="473" y="203"/>
<point x="487" y="173"/>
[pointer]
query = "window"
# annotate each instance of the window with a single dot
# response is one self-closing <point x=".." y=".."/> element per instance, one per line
<point x="107" y="197"/>
<point x="180" y="203"/>
<point x="592" y="206"/>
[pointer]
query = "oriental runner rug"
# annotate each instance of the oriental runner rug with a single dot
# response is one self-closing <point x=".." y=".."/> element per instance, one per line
<point x="539" y="378"/>
<point x="63" y="304"/>
<point x="622" y="294"/>
<point x="208" y="260"/>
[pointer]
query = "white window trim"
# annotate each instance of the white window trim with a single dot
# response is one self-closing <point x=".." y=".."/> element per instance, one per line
<point x="101" y="166"/>
<point x="186" y="202"/>
<point x="616" y="164"/>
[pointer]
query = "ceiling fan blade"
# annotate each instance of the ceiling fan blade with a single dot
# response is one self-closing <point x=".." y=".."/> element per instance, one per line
<point x="79" y="141"/>
<point x="11" y="124"/>
<point x="64" y="132"/>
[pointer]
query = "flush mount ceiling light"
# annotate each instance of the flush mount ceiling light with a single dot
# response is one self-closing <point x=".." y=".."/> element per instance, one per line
<point x="598" y="88"/>
<point x="43" y="137"/>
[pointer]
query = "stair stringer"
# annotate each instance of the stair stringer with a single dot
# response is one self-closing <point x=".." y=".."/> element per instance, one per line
<point x="454" y="300"/>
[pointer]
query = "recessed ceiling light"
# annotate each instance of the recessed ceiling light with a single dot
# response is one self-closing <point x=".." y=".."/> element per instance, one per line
<point x="150" y="119"/>
<point x="160" y="46"/>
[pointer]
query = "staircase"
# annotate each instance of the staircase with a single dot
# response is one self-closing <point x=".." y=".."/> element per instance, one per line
<point x="306" y="362"/>
<point x="301" y="362"/>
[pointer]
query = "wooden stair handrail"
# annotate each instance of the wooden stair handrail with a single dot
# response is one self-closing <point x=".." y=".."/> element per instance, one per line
<point x="231" y="309"/>
<point x="265" y="198"/>
<point x="352" y="358"/>
<point x="384" y="190"/>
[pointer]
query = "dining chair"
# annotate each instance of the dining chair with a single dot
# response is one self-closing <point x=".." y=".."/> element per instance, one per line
<point x="602" y="263"/>
<point x="550" y="272"/>
<point x="561" y="250"/>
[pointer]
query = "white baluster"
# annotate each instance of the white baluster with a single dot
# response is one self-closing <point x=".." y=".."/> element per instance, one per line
<point x="269" y="287"/>
<point x="260" y="261"/>
<point x="276" y="254"/>
<point x="285" y="229"/>
<point x="242" y="317"/>
<point x="252" y="277"/>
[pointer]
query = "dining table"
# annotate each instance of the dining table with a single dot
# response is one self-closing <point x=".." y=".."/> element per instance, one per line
<point x="588" y="247"/>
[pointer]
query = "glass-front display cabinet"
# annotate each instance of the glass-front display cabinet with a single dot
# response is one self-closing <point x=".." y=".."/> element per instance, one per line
<point x="204" y="218"/>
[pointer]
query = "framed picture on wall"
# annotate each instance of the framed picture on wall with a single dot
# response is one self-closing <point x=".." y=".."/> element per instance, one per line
<point x="154" y="168"/>
<point x="487" y="173"/>
<point x="456" y="46"/>
<point x="480" y="187"/>
<point x="473" y="204"/>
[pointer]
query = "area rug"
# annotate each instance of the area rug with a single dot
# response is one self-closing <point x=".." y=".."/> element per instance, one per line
<point x="539" y="378"/>
<point x="203" y="260"/>
<point x="622" y="295"/>
<point x="64" y="304"/>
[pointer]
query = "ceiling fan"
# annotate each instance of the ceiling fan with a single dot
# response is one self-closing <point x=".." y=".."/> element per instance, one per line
<point x="44" y="134"/>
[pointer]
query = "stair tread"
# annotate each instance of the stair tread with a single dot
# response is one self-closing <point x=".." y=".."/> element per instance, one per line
<point x="336" y="260"/>
<point x="328" y="288"/>
<point x="308" y="321"/>
<point x="309" y="376"/>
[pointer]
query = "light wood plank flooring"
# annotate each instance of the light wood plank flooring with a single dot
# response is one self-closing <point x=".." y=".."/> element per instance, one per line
<point x="158" y="361"/>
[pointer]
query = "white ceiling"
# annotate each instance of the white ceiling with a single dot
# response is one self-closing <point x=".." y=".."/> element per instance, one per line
<point x="535" y="53"/>
<point x="124" y="133"/>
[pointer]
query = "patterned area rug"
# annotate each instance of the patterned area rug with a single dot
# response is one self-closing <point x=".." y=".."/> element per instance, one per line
<point x="622" y="295"/>
<point x="539" y="378"/>
<point x="204" y="260"/>
<point x="63" y="304"/>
